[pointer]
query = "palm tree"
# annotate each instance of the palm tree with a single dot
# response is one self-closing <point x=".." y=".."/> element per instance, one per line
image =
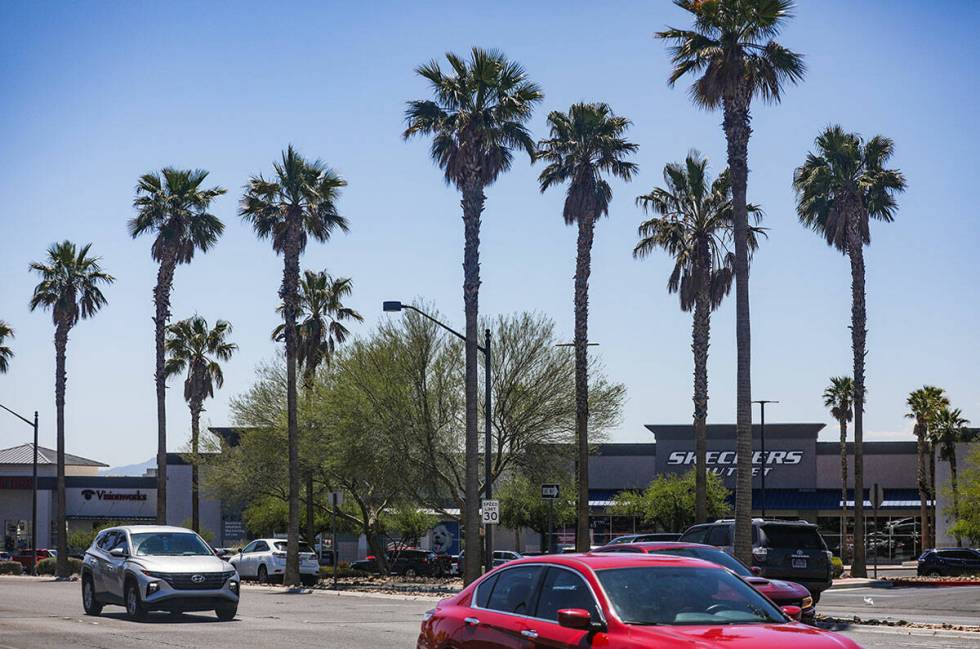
<point x="695" y="227"/>
<point x="924" y="406"/>
<point x="322" y="329"/>
<point x="730" y="50"/>
<point x="477" y="120"/>
<point x="948" y="428"/>
<point x="840" y="188"/>
<point x="839" y="397"/>
<point x="298" y="203"/>
<point x="585" y="144"/>
<point x="70" y="289"/>
<point x="6" y="353"/>
<point x="173" y="206"/>
<point x="196" y="348"/>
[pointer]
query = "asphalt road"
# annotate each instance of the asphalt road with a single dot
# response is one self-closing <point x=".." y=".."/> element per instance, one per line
<point x="36" y="614"/>
<point x="955" y="605"/>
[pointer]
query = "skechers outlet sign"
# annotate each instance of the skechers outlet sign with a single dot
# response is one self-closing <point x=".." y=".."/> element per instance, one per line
<point x="789" y="462"/>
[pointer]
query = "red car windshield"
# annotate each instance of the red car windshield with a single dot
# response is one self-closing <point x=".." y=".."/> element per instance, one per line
<point x="718" y="557"/>
<point x="685" y="596"/>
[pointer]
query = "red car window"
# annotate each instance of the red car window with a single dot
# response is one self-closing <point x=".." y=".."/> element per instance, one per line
<point x="564" y="589"/>
<point x="514" y="590"/>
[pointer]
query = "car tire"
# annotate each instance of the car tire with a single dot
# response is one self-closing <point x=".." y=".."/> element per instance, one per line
<point x="263" y="575"/>
<point x="226" y="613"/>
<point x="410" y="572"/>
<point x="134" y="603"/>
<point x="308" y="580"/>
<point x="816" y="597"/>
<point x="90" y="602"/>
<point x="934" y="573"/>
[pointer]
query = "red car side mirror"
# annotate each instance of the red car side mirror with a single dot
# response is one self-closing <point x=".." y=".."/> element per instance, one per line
<point x="756" y="570"/>
<point x="794" y="612"/>
<point x="575" y="618"/>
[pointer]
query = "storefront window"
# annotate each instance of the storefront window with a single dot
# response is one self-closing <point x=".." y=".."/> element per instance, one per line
<point x="16" y="535"/>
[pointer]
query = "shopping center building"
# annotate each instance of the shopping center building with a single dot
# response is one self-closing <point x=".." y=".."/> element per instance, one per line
<point x="802" y="481"/>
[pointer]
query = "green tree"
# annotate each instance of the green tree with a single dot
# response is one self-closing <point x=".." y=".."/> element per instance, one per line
<point x="839" y="398"/>
<point x="839" y="189"/>
<point x="924" y="404"/>
<point x="198" y="350"/>
<point x="695" y="226"/>
<point x="476" y="120"/>
<point x="967" y="524"/>
<point x="70" y="287"/>
<point x="6" y="353"/>
<point x="321" y="330"/>
<point x="298" y="203"/>
<point x="730" y="51"/>
<point x="173" y="206"/>
<point x="521" y="504"/>
<point x="947" y="430"/>
<point x="585" y="144"/>
<point x="668" y="502"/>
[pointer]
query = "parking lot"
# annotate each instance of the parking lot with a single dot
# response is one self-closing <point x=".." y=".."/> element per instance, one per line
<point x="43" y="614"/>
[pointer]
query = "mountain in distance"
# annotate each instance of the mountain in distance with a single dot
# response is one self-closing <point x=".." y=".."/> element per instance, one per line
<point x="131" y="469"/>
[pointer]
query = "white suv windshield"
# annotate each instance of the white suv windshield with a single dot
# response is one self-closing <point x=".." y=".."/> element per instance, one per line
<point x="169" y="544"/>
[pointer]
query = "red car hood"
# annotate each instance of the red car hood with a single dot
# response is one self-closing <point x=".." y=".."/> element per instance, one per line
<point x="745" y="636"/>
<point x="775" y="589"/>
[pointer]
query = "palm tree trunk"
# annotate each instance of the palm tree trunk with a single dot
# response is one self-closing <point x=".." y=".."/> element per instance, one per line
<point x="473" y="201"/>
<point x="60" y="383"/>
<point x="583" y="268"/>
<point x="931" y="449"/>
<point x="196" y="408"/>
<point x="290" y="299"/>
<point x="699" y="346"/>
<point x="308" y="376"/>
<point x="161" y="301"/>
<point x="923" y="484"/>
<point x="954" y="484"/>
<point x="843" y="487"/>
<point x="737" y="131"/>
<point x="859" y="333"/>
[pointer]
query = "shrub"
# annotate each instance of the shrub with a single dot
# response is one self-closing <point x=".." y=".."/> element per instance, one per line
<point x="49" y="566"/>
<point x="343" y="571"/>
<point x="837" y="567"/>
<point x="11" y="568"/>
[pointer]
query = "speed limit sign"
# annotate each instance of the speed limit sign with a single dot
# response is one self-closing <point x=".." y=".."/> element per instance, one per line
<point x="491" y="512"/>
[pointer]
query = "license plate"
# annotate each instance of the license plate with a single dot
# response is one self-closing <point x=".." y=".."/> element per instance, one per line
<point x="799" y="563"/>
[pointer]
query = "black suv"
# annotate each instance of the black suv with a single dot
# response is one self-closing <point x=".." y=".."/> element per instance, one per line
<point x="787" y="550"/>
<point x="949" y="562"/>
<point x="409" y="562"/>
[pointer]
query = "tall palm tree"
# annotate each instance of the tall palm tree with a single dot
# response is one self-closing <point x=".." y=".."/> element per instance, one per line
<point x="585" y="144"/>
<point x="924" y="406"/>
<point x="173" y="206"/>
<point x="6" y="353"/>
<point x="70" y="288"/>
<point x="840" y="188"/>
<point x="298" y="203"/>
<point x="322" y="329"/>
<point x="839" y="398"/>
<point x="198" y="349"/>
<point x="949" y="428"/>
<point x="695" y="227"/>
<point x="729" y="49"/>
<point x="477" y="120"/>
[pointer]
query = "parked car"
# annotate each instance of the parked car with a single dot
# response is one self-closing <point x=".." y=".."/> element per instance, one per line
<point x="949" y="562"/>
<point x="617" y="601"/>
<point x="648" y="537"/>
<point x="148" y="568"/>
<point x="788" y="550"/>
<point x="500" y="557"/>
<point x="5" y="556"/>
<point x="410" y="562"/>
<point x="265" y="560"/>
<point x="782" y="593"/>
<point x="26" y="557"/>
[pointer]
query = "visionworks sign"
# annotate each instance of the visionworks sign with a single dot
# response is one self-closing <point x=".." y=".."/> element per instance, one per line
<point x="96" y="501"/>
<point x="105" y="494"/>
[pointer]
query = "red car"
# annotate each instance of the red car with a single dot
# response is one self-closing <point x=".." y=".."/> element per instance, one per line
<point x="783" y="593"/>
<point x="25" y="557"/>
<point x="616" y="601"/>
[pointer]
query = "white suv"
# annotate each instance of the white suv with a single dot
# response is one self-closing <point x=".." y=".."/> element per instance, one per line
<point x="265" y="560"/>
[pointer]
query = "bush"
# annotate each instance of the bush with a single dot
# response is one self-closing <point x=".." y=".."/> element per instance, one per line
<point x="49" y="566"/>
<point x="11" y="568"/>
<point x="343" y="571"/>
<point x="837" y="567"/>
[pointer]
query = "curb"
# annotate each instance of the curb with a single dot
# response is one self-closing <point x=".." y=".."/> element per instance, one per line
<point x="909" y="583"/>
<point x="870" y="583"/>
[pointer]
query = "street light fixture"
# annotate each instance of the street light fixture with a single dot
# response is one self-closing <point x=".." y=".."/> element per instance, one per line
<point x="395" y="306"/>
<point x="33" y="486"/>
<point x="762" y="434"/>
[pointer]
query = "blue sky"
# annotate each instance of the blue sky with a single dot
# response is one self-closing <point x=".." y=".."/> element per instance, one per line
<point x="92" y="94"/>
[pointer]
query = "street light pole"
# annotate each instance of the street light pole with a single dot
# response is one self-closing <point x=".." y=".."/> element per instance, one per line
<point x="762" y="434"/>
<point x="33" y="486"/>
<point x="394" y="306"/>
